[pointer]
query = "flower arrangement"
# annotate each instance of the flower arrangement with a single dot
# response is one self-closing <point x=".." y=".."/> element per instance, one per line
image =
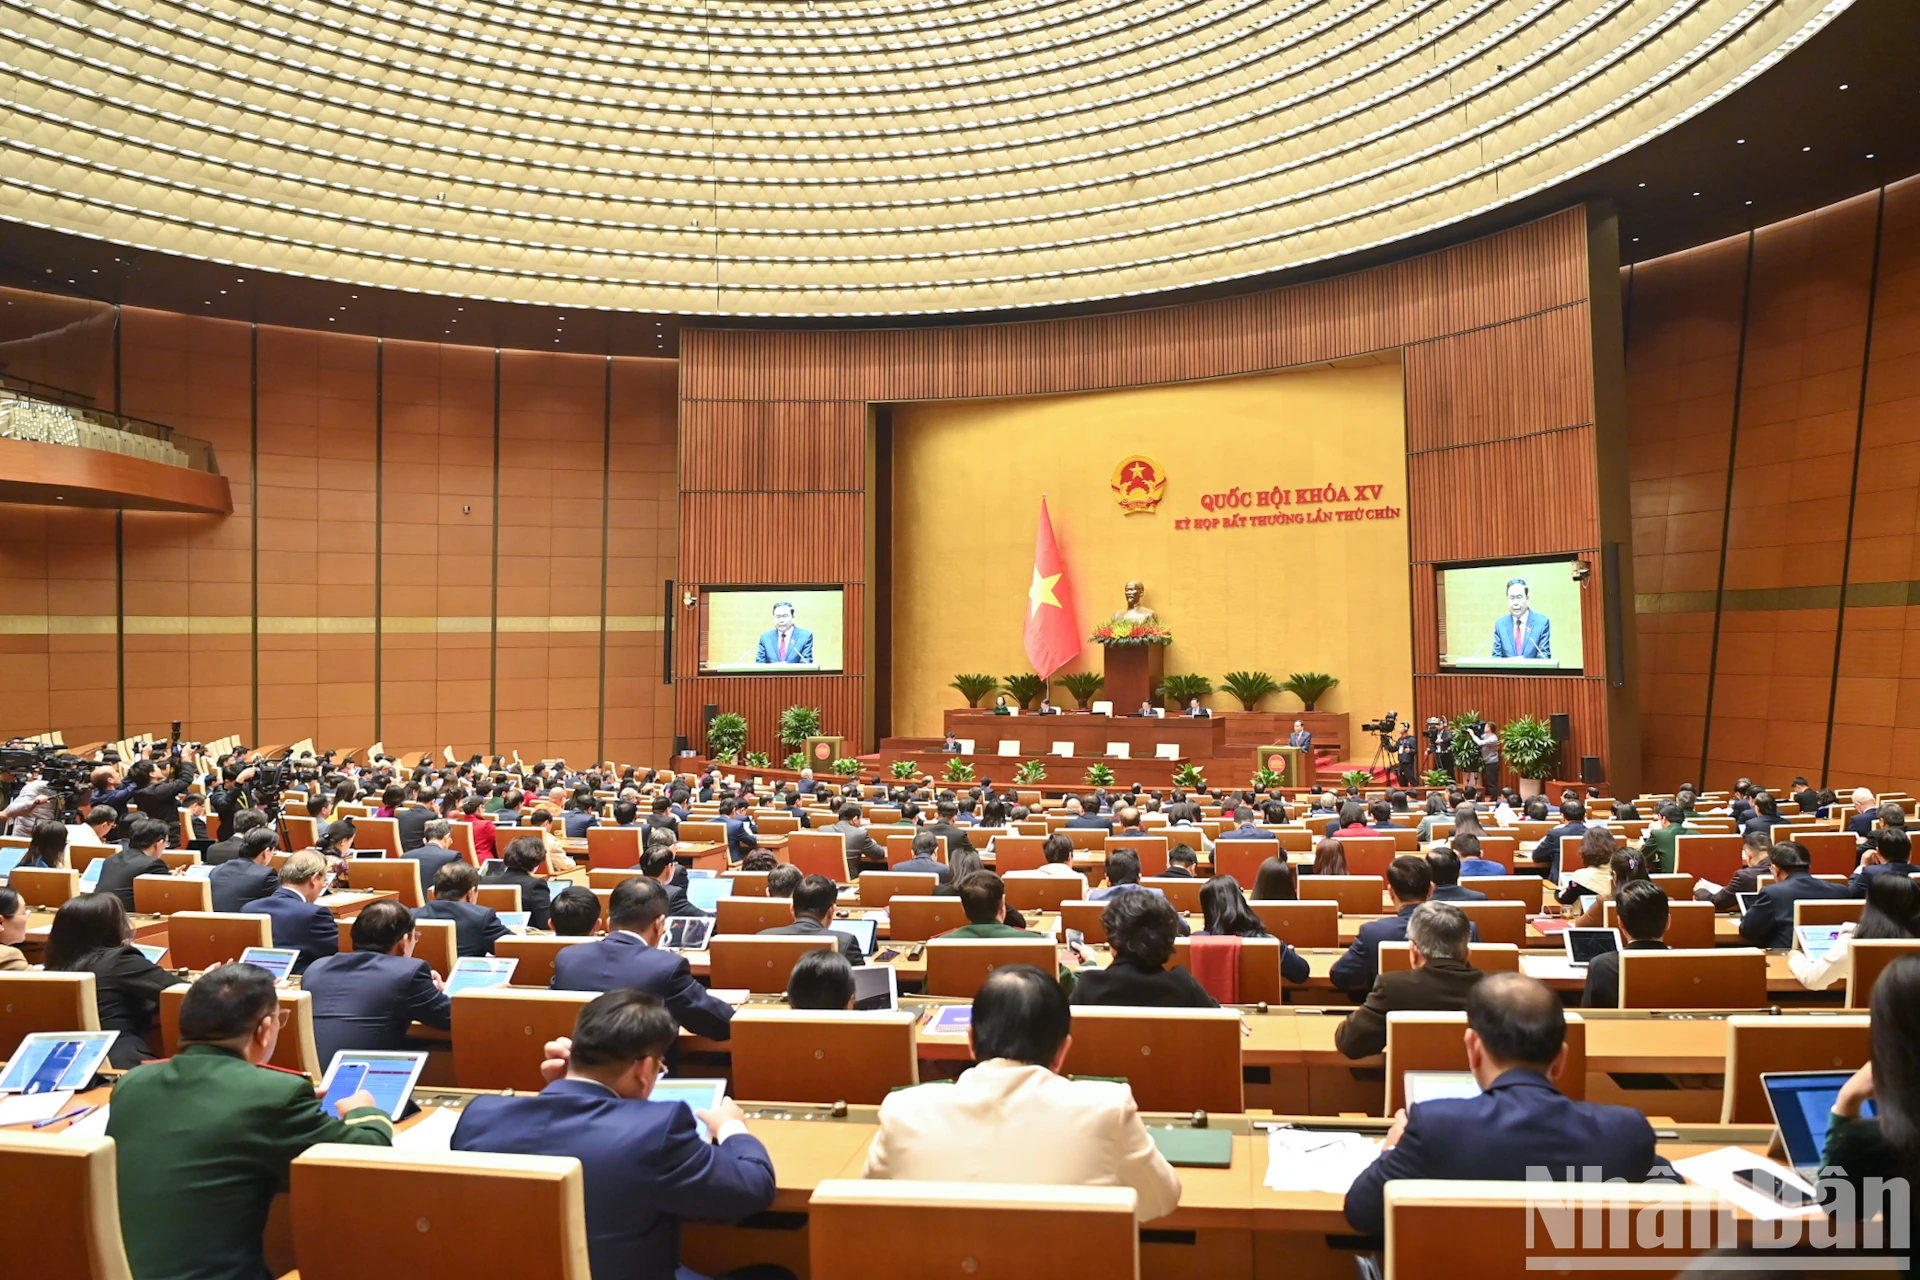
<point x="1131" y="633"/>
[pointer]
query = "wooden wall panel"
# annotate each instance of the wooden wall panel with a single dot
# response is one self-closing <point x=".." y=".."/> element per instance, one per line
<point x="1501" y="698"/>
<point x="761" y="699"/>
<point x="1501" y="384"/>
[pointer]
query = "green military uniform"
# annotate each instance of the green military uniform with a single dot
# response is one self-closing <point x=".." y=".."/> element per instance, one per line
<point x="1001" y="929"/>
<point x="203" y="1142"/>
<point x="1658" y="845"/>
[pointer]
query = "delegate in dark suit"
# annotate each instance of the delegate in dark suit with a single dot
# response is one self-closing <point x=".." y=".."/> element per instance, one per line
<point x="1440" y="983"/>
<point x="535" y="897"/>
<point x="222" y="850"/>
<point x="1521" y="1122"/>
<point x="1454" y="893"/>
<point x="1355" y="971"/>
<point x="742" y="838"/>
<point x="431" y="858"/>
<point x="798" y="647"/>
<point x="1092" y="821"/>
<point x="860" y="844"/>
<point x="956" y="836"/>
<point x="238" y="881"/>
<point x="1857" y="886"/>
<point x="677" y="901"/>
<point x="643" y="1165"/>
<point x="118" y="871"/>
<point x="806" y="927"/>
<point x="1769" y="922"/>
<point x="475" y="928"/>
<point x="368" y="999"/>
<point x="625" y="960"/>
<point x="1603" y="977"/>
<point x="1536" y="642"/>
<point x="1548" y="850"/>
<point x="298" y="923"/>
<point x="412" y="822"/>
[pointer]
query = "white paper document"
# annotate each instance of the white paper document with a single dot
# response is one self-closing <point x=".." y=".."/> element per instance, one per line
<point x="91" y="1125"/>
<point x="1303" y="1160"/>
<point x="1714" y="1170"/>
<point x="29" y="1108"/>
<point x="433" y="1131"/>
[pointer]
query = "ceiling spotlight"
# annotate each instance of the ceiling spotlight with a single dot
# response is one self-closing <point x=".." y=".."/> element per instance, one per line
<point x="1739" y="142"/>
<point x="1843" y="86"/>
<point x="1643" y="184"/>
<point x="1806" y="148"/>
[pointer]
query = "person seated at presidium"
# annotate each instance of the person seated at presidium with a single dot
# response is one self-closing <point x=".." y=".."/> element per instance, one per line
<point x="644" y="1165"/>
<point x="1516" y="1042"/>
<point x="813" y="902"/>
<point x="91" y="934"/>
<point x="203" y="1140"/>
<point x="630" y="956"/>
<point x="1440" y="979"/>
<point x="1141" y="928"/>
<point x="1068" y="1132"/>
<point x="456" y="897"/>
<point x="368" y="997"/>
<point x="296" y="918"/>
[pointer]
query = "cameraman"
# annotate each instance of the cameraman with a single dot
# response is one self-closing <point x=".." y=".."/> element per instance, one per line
<point x="32" y="801"/>
<point x="110" y="788"/>
<point x="157" y="793"/>
<point x="1407" y="748"/>
<point x="1440" y="742"/>
<point x="231" y="795"/>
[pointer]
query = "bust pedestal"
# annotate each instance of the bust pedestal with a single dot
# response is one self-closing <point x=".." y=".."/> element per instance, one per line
<point x="1133" y="672"/>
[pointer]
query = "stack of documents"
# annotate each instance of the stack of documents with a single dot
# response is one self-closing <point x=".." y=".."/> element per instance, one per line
<point x="1303" y="1160"/>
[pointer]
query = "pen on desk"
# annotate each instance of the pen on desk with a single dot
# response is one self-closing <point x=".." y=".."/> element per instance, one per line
<point x="71" y="1115"/>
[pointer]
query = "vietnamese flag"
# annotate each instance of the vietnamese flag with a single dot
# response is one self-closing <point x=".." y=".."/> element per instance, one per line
<point x="1053" y="634"/>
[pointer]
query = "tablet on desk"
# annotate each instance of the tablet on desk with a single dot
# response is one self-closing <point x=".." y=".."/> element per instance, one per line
<point x="51" y="1060"/>
<point x="278" y="961"/>
<point x="863" y="931"/>
<point x="1426" y="1086"/>
<point x="1802" y="1105"/>
<point x="686" y="933"/>
<point x="389" y="1077"/>
<point x="9" y="859"/>
<point x="875" y="987"/>
<point x="699" y="1095"/>
<point x="1818" y="939"/>
<point x="197" y="871"/>
<point x="1745" y="901"/>
<point x="1584" y="945"/>
<point x="706" y="893"/>
<point x="152" y="953"/>
<point x="515" y="919"/>
<point x="90" y="878"/>
<point x="492" y="867"/>
<point x="472" y="972"/>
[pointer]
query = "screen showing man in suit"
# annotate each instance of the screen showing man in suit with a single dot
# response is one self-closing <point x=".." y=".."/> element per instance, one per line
<point x="770" y="631"/>
<point x="1512" y="617"/>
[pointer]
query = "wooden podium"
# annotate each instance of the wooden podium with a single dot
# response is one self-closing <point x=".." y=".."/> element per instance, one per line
<point x="821" y="752"/>
<point x="1295" y="765"/>
<point x="1134" y="671"/>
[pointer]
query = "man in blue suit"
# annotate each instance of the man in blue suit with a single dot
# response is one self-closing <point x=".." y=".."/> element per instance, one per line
<point x="366" y="998"/>
<point x="742" y="836"/>
<point x="1895" y="850"/>
<point x="1769" y="921"/>
<point x="1410" y="881"/>
<point x="1522" y="633"/>
<point x="1516" y="1047"/>
<point x="296" y="919"/>
<point x="245" y="877"/>
<point x="1245" y="829"/>
<point x="786" y="642"/>
<point x="630" y="956"/>
<point x="644" y="1166"/>
<point x="434" y="851"/>
<point x="456" y="897"/>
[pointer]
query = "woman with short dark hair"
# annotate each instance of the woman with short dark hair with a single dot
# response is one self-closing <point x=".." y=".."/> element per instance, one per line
<point x="1141" y="926"/>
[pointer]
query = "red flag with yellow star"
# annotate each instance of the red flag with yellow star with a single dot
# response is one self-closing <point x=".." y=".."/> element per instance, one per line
<point x="1053" y="633"/>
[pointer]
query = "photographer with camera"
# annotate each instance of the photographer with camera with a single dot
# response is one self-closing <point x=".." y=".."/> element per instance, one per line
<point x="1439" y="736"/>
<point x="1407" y="749"/>
<point x="31" y="798"/>
<point x="231" y="795"/>
<point x="158" y="786"/>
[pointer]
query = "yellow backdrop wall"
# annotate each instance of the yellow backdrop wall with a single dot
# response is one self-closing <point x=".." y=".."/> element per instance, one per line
<point x="1326" y="591"/>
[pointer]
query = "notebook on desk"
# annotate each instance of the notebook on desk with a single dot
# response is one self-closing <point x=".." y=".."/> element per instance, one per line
<point x="1194" y="1148"/>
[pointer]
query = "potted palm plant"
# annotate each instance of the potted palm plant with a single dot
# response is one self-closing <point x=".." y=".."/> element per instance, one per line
<point x="974" y="687"/>
<point x="1249" y="687"/>
<point x="726" y="737"/>
<point x="1309" y="686"/>
<point x="1023" y="688"/>
<point x="1177" y="690"/>
<point x="1083" y="685"/>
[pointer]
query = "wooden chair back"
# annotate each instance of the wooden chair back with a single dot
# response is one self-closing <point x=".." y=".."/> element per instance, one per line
<point x="610" y="877"/>
<point x="1690" y="925"/>
<point x="1712" y="978"/>
<point x="1152" y="851"/>
<point x="460" y="839"/>
<point x="1260" y="981"/>
<point x="1488" y="957"/>
<point x="1369" y="855"/>
<point x="63" y="1194"/>
<point x="1357" y="895"/>
<point x="900" y="848"/>
<point x="748" y="884"/>
<point x="1677" y="885"/>
<point x="1502" y="922"/>
<point x="1300" y="924"/>
<point x="435" y="942"/>
<point x="1708" y="857"/>
<point x="199" y="940"/>
<point x="818" y="853"/>
<point x="878" y="888"/>
<point x="760" y="963"/>
<point x="702" y="832"/>
<point x="958" y="966"/>
<point x="1031" y="891"/>
<point x="1436" y="1041"/>
<point x="1241" y="859"/>
<point x="389" y="875"/>
<point x="535" y="954"/>
<point x="35" y="1000"/>
<point x="619" y="846"/>
<point x="775" y="824"/>
<point x="1869" y="958"/>
<point x="1172" y="1059"/>
<point x="1529" y="891"/>
<point x="989" y="1232"/>
<point x="500" y="1034"/>
<point x="295" y="1049"/>
<point x="1427" y="1221"/>
<point x="47" y="887"/>
<point x="1019" y="853"/>
<point x="1084" y="916"/>
<point x="166" y="895"/>
<point x="1531" y="831"/>
<point x="501" y="897"/>
<point x="911" y="918"/>
<point x="79" y="856"/>
<point x="801" y="1055"/>
<point x="382" y="834"/>
<point x="297" y="832"/>
<point x="1182" y="891"/>
<point x="751" y="915"/>
<point x="177" y="858"/>
<point x="1827" y="910"/>
<point x="418" y="1206"/>
<point x="1834" y="853"/>
<point x="1792" y="1042"/>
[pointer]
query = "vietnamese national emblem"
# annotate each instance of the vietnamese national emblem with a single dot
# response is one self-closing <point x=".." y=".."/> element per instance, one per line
<point x="1138" y="484"/>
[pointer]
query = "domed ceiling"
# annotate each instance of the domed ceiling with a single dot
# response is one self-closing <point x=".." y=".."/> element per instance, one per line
<point x="831" y="159"/>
